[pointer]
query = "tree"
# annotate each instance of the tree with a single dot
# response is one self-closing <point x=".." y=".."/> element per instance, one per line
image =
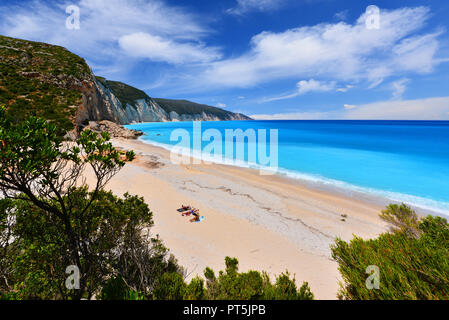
<point x="413" y="259"/>
<point x="252" y="285"/>
<point x="7" y="249"/>
<point x="58" y="222"/>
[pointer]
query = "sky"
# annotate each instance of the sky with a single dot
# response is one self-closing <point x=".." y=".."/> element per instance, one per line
<point x="270" y="59"/>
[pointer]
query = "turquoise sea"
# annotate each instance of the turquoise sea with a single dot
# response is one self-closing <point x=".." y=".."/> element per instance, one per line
<point x="404" y="161"/>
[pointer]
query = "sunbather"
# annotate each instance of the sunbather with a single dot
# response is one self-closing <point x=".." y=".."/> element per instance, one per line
<point x="197" y="219"/>
<point x="193" y="211"/>
<point x="184" y="208"/>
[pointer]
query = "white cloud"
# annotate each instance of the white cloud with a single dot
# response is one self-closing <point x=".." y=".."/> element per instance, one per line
<point x="350" y="106"/>
<point x="306" y="86"/>
<point x="221" y="105"/>
<point x="104" y="23"/>
<point x="341" y="15"/>
<point x="346" y="88"/>
<point x="156" y="48"/>
<point x="399" y="88"/>
<point x="291" y="116"/>
<point x="244" y="6"/>
<point x="421" y="109"/>
<point x="340" y="51"/>
<point x="115" y="32"/>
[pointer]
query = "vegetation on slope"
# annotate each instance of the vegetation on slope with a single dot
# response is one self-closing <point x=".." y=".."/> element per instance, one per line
<point x="413" y="259"/>
<point x="128" y="95"/>
<point x="45" y="80"/>
<point x="37" y="78"/>
<point x="188" y="107"/>
<point x="125" y="93"/>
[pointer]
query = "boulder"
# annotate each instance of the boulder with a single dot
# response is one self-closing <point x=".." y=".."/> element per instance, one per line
<point x="115" y="130"/>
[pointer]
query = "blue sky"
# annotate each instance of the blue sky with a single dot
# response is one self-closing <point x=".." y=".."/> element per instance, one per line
<point x="272" y="59"/>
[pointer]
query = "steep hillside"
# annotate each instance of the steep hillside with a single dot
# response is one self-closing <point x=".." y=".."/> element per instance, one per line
<point x="37" y="78"/>
<point x="170" y="110"/>
<point x="51" y="82"/>
<point x="188" y="107"/>
<point x="125" y="93"/>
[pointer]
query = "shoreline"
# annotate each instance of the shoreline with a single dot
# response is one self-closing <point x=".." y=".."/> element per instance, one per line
<point x="269" y="223"/>
<point x="375" y="196"/>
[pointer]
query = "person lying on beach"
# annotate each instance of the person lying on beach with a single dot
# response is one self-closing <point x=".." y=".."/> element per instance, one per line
<point x="193" y="211"/>
<point x="184" y="208"/>
<point x="197" y="219"/>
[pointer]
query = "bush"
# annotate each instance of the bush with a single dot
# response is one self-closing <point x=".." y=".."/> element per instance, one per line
<point x="195" y="290"/>
<point x="413" y="259"/>
<point x="171" y="286"/>
<point x="252" y="285"/>
<point x="51" y="221"/>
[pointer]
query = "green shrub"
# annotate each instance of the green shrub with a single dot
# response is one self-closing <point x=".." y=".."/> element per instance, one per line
<point x="413" y="259"/>
<point x="60" y="222"/>
<point x="252" y="285"/>
<point x="171" y="286"/>
<point x="45" y="95"/>
<point x="116" y="289"/>
<point x="195" y="290"/>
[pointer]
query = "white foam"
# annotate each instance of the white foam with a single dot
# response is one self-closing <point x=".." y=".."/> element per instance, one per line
<point x="437" y="207"/>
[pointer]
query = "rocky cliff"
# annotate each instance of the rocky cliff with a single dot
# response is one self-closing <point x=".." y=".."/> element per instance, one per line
<point x="127" y="105"/>
<point x="51" y="82"/>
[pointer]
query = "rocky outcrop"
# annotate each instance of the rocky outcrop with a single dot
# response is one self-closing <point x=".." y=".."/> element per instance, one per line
<point x="100" y="103"/>
<point x="114" y="130"/>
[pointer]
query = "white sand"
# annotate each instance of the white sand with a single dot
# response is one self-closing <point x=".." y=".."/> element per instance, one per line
<point x="268" y="222"/>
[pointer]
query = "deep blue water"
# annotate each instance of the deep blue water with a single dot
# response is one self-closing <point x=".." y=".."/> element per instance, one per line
<point x="402" y="160"/>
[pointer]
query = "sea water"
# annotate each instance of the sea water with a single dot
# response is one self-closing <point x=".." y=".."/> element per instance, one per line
<point x="404" y="161"/>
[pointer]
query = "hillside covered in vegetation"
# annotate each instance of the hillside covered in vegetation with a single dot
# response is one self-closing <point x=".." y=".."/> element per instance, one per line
<point x="188" y="107"/>
<point x="40" y="79"/>
<point x="125" y="93"/>
<point x="51" y="82"/>
<point x="128" y="95"/>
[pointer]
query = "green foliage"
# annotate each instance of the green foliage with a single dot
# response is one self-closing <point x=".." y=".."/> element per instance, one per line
<point x="195" y="290"/>
<point x="285" y="289"/>
<point x="251" y="285"/>
<point x="39" y="79"/>
<point x="116" y="289"/>
<point x="58" y="222"/>
<point x="402" y="219"/>
<point x="128" y="95"/>
<point x="125" y="93"/>
<point x="188" y="107"/>
<point x="106" y="229"/>
<point x="171" y="286"/>
<point x="413" y="259"/>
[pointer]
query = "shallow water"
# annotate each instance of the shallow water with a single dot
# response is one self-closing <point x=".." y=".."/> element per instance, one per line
<point x="404" y="161"/>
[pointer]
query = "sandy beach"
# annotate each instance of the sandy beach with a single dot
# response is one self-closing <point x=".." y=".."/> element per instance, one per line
<point x="269" y="223"/>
